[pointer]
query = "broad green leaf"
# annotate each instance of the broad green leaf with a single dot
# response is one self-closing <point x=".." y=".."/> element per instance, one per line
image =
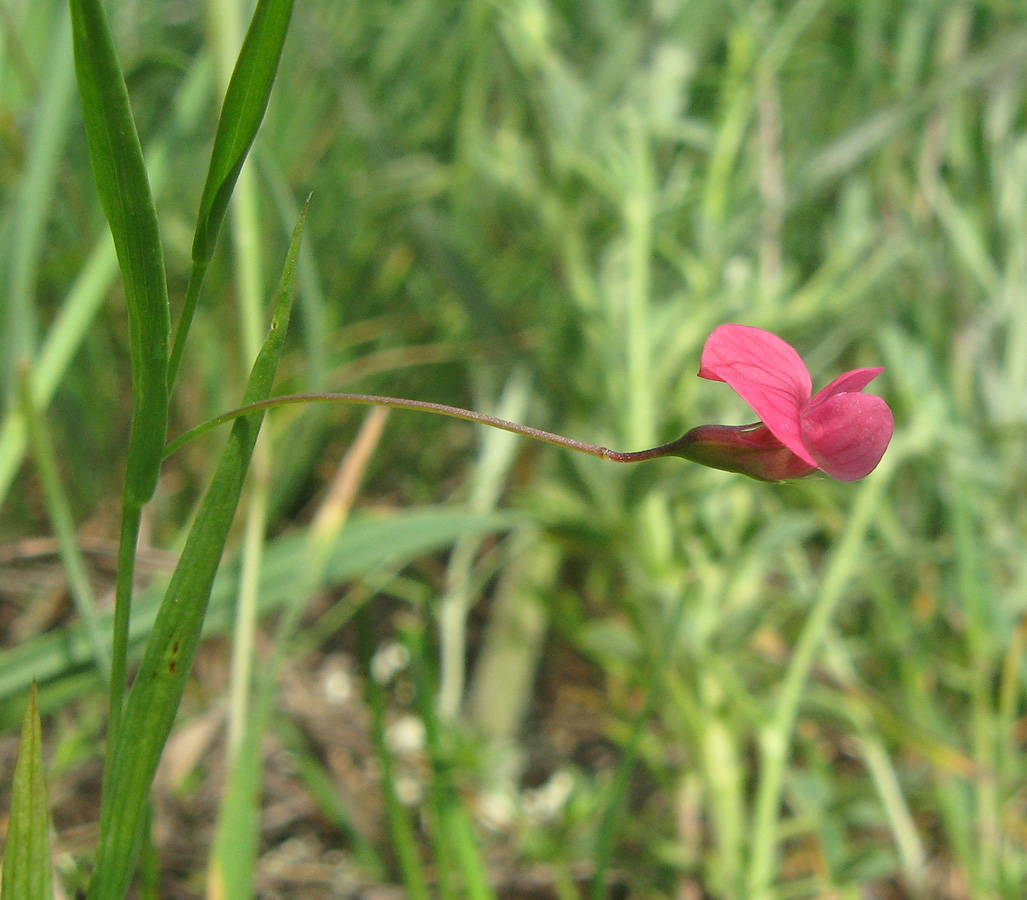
<point x="241" y="114"/>
<point x="120" y="174"/>
<point x="28" y="869"/>
<point x="158" y="686"/>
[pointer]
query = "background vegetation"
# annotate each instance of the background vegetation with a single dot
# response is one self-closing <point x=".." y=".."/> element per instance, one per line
<point x="541" y="209"/>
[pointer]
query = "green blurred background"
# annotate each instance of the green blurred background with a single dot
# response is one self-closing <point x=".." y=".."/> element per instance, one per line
<point x="540" y="210"/>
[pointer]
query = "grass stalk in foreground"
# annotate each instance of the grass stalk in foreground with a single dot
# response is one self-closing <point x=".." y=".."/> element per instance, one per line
<point x="120" y="173"/>
<point x="92" y="285"/>
<point x="224" y="29"/>
<point x="157" y="690"/>
<point x="246" y="99"/>
<point x="231" y="866"/>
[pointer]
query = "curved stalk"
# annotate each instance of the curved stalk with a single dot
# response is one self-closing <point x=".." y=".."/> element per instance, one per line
<point x="441" y="409"/>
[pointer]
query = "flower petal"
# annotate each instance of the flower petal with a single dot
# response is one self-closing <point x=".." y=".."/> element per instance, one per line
<point x="848" y="434"/>
<point x="855" y="380"/>
<point x="767" y="373"/>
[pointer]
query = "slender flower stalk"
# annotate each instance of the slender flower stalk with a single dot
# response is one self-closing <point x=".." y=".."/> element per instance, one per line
<point x="453" y="412"/>
<point x="840" y="431"/>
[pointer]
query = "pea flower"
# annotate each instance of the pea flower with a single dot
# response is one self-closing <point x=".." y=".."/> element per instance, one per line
<point x="840" y="431"/>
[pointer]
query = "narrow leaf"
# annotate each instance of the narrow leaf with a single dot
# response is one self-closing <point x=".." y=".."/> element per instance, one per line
<point x="28" y="869"/>
<point x="245" y="103"/>
<point x="234" y="855"/>
<point x="246" y="99"/>
<point x="120" y="173"/>
<point x="158" y="686"/>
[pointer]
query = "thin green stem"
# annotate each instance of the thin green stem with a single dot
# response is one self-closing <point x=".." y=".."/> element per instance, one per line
<point x="192" y="295"/>
<point x="455" y="845"/>
<point x="776" y="738"/>
<point x="498" y="451"/>
<point x="247" y="601"/>
<point x="619" y="788"/>
<point x="440" y="797"/>
<point x="224" y="27"/>
<point x="131" y="514"/>
<point x="441" y="409"/>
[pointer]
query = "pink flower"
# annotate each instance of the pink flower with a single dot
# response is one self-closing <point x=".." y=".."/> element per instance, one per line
<point x="840" y="431"/>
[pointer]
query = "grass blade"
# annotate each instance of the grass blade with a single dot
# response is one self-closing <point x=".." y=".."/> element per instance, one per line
<point x="120" y="174"/>
<point x="28" y="870"/>
<point x="233" y="861"/>
<point x="32" y="204"/>
<point x="85" y="296"/>
<point x="157" y="690"/>
<point x="245" y="103"/>
<point x="455" y="844"/>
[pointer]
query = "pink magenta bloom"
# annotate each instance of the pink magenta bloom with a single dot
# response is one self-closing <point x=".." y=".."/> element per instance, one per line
<point x="840" y="431"/>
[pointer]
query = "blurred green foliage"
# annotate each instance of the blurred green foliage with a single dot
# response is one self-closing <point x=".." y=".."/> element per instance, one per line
<point x="581" y="191"/>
